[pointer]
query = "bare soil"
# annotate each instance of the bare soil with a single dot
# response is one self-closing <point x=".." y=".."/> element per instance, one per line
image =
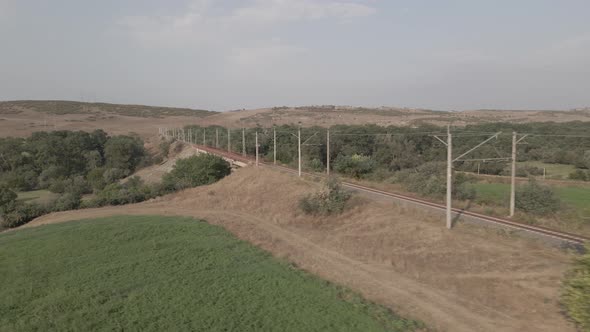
<point x="467" y="279"/>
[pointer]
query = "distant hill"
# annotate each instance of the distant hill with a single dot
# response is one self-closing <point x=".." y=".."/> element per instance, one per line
<point x="62" y="107"/>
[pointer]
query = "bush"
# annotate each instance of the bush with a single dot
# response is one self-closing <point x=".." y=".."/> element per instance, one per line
<point x="536" y="199"/>
<point x="112" y="175"/>
<point x="579" y="175"/>
<point x="133" y="191"/>
<point x="21" y="214"/>
<point x="355" y="165"/>
<point x="67" y="201"/>
<point x="196" y="171"/>
<point x="165" y="148"/>
<point x="430" y="180"/>
<point x="316" y="165"/>
<point x="330" y="200"/>
<point x="576" y="292"/>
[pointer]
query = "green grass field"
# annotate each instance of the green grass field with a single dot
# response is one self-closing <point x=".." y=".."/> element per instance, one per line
<point x="577" y="198"/>
<point x="166" y="274"/>
<point x="37" y="196"/>
<point x="553" y="171"/>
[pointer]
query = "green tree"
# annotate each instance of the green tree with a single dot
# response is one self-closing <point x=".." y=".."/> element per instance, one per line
<point x="7" y="197"/>
<point x="196" y="171"/>
<point x="124" y="152"/>
<point x="354" y="165"/>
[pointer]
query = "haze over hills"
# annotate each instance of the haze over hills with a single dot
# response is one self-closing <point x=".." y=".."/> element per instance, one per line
<point x="20" y="118"/>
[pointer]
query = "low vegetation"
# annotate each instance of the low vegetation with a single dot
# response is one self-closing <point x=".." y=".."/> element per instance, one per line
<point x="576" y="295"/>
<point x="537" y="199"/>
<point x="331" y="199"/>
<point x="70" y="165"/>
<point x="154" y="273"/>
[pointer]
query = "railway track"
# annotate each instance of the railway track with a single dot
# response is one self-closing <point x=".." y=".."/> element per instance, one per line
<point x="572" y="239"/>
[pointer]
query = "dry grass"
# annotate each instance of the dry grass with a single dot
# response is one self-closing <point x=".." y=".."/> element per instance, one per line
<point x="462" y="280"/>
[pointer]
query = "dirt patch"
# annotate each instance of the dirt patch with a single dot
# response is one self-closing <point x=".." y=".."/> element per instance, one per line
<point x="467" y="279"/>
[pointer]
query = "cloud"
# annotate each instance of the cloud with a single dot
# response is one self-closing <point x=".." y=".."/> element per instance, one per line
<point x="264" y="54"/>
<point x="264" y="11"/>
<point x="202" y="22"/>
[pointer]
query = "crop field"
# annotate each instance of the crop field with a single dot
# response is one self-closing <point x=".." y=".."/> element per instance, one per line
<point x="166" y="273"/>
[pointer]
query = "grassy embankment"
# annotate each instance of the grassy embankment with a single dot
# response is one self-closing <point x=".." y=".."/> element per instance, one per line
<point x="166" y="273"/>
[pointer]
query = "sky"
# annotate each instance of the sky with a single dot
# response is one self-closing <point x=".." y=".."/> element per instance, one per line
<point x="228" y="54"/>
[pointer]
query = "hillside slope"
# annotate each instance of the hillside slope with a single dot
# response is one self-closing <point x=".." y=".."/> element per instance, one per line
<point x="461" y="280"/>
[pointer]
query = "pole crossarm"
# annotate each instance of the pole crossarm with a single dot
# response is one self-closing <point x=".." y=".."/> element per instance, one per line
<point x="441" y="140"/>
<point x="520" y="139"/>
<point x="486" y="159"/>
<point x="477" y="146"/>
<point x="307" y="140"/>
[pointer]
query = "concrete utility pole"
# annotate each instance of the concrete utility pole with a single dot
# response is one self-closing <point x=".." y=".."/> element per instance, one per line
<point x="228" y="140"/>
<point x="328" y="153"/>
<point x="243" y="142"/>
<point x="274" y="139"/>
<point x="204" y="140"/>
<point x="299" y="149"/>
<point x="513" y="176"/>
<point x="256" y="148"/>
<point x="515" y="142"/>
<point x="449" y="175"/>
<point x="450" y="161"/>
<point x="217" y="138"/>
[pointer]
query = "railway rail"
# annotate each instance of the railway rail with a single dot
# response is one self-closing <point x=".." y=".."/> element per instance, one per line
<point x="577" y="241"/>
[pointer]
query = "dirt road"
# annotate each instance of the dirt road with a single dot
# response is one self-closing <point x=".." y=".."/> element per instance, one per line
<point x="468" y="279"/>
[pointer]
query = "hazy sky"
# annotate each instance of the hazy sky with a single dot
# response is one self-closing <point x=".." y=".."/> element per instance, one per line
<point x="233" y="54"/>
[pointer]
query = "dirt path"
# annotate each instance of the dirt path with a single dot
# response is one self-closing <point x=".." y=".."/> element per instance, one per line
<point x="467" y="280"/>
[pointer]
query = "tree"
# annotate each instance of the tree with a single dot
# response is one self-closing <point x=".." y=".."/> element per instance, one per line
<point x="123" y="152"/>
<point x="196" y="171"/>
<point x="355" y="165"/>
<point x="7" y="197"/>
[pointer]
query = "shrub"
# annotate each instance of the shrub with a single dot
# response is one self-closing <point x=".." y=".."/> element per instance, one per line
<point x="430" y="180"/>
<point x="579" y="175"/>
<point x="196" y="171"/>
<point x="67" y="201"/>
<point x="316" y="165"/>
<point x="576" y="292"/>
<point x="536" y="199"/>
<point x="133" y="191"/>
<point x="165" y="148"/>
<point x="355" y="165"/>
<point x="22" y="213"/>
<point x="330" y="200"/>
<point x="111" y="175"/>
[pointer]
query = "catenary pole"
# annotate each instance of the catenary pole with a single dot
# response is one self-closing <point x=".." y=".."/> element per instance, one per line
<point x="274" y="139"/>
<point x="256" y="148"/>
<point x="299" y="149"/>
<point x="449" y="175"/>
<point x="204" y="139"/>
<point x="243" y="142"/>
<point x="513" y="176"/>
<point x="217" y="138"/>
<point x="228" y="140"/>
<point x="328" y="153"/>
